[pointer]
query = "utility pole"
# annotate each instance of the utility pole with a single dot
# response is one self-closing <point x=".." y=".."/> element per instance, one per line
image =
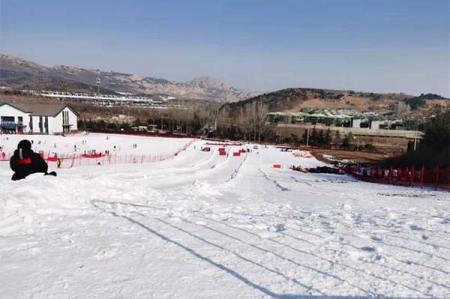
<point x="307" y="136"/>
<point x="416" y="128"/>
<point x="98" y="82"/>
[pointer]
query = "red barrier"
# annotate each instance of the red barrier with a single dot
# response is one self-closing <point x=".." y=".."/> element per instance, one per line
<point x="276" y="165"/>
<point x="407" y="176"/>
<point x="236" y="154"/>
<point x="72" y="160"/>
<point x="149" y="134"/>
<point x="92" y="156"/>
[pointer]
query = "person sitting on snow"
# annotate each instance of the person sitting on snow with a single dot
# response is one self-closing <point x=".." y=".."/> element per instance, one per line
<point x="25" y="162"/>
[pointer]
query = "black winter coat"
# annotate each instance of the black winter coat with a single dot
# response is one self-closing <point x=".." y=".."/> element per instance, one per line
<point x="25" y="162"/>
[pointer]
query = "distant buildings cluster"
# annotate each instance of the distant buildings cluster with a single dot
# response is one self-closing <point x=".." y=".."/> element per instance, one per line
<point x="106" y="100"/>
<point x="336" y="117"/>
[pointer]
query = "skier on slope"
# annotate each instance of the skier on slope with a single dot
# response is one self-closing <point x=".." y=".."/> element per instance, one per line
<point x="25" y="162"/>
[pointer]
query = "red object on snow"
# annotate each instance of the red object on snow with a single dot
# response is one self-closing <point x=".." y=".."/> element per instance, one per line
<point x="222" y="151"/>
<point x="236" y="154"/>
<point x="276" y="165"/>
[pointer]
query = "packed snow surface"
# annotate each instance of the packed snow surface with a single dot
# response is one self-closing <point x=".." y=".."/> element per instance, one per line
<point x="202" y="225"/>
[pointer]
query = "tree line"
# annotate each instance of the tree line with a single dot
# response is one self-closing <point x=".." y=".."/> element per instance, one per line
<point x="434" y="148"/>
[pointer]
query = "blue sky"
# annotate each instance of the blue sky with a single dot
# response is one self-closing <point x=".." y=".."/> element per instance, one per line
<point x="384" y="45"/>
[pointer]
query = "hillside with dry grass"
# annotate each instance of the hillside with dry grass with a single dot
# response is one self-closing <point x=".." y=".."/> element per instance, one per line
<point x="294" y="99"/>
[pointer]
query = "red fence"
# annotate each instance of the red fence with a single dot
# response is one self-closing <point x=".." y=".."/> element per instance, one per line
<point x="69" y="161"/>
<point x="144" y="133"/>
<point x="74" y="160"/>
<point x="409" y="176"/>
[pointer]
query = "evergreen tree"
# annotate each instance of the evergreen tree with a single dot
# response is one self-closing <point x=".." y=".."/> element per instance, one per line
<point x="337" y="138"/>
<point x="321" y="138"/>
<point x="346" y="142"/>
<point x="327" y="138"/>
<point x="434" y="149"/>
<point x="313" y="137"/>
<point x="305" y="137"/>
<point x="137" y="122"/>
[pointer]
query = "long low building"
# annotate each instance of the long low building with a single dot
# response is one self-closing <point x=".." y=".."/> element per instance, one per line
<point x="33" y="118"/>
<point x="383" y="140"/>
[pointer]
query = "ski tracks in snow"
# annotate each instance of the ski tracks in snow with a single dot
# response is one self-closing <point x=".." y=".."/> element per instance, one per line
<point x="206" y="225"/>
<point x="318" y="262"/>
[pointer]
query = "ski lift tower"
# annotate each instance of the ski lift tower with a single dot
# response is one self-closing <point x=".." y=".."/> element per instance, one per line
<point x="98" y="82"/>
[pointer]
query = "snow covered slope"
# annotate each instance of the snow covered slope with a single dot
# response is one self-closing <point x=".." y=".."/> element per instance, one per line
<point x="79" y="143"/>
<point x="203" y="225"/>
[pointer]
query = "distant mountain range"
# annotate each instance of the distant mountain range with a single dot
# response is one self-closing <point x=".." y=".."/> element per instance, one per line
<point x="22" y="74"/>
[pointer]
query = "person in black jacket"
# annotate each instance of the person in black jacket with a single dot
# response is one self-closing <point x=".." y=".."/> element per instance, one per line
<point x="25" y="162"/>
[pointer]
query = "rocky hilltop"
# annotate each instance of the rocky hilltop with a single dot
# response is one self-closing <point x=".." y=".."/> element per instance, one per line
<point x="22" y="74"/>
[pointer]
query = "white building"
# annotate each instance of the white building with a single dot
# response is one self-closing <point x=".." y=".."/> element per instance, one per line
<point x="35" y="118"/>
<point x="356" y="123"/>
<point x="375" y="124"/>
